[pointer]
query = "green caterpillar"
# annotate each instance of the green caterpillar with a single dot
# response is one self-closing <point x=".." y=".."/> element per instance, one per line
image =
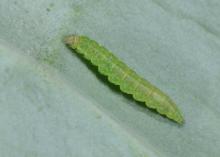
<point x="120" y="74"/>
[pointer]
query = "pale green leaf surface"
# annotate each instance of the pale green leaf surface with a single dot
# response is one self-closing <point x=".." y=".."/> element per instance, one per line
<point x="53" y="103"/>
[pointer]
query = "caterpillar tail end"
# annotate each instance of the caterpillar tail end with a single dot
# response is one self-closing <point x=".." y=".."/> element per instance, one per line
<point x="168" y="108"/>
<point x="176" y="116"/>
<point x="71" y="41"/>
<point x="179" y="119"/>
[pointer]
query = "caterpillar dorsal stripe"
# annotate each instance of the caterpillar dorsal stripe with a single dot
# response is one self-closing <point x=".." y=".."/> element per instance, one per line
<point x="120" y="74"/>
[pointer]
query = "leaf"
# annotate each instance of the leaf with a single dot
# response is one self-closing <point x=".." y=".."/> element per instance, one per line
<point x="51" y="104"/>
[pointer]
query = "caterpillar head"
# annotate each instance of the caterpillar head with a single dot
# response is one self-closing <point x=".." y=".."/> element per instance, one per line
<point x="72" y="41"/>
